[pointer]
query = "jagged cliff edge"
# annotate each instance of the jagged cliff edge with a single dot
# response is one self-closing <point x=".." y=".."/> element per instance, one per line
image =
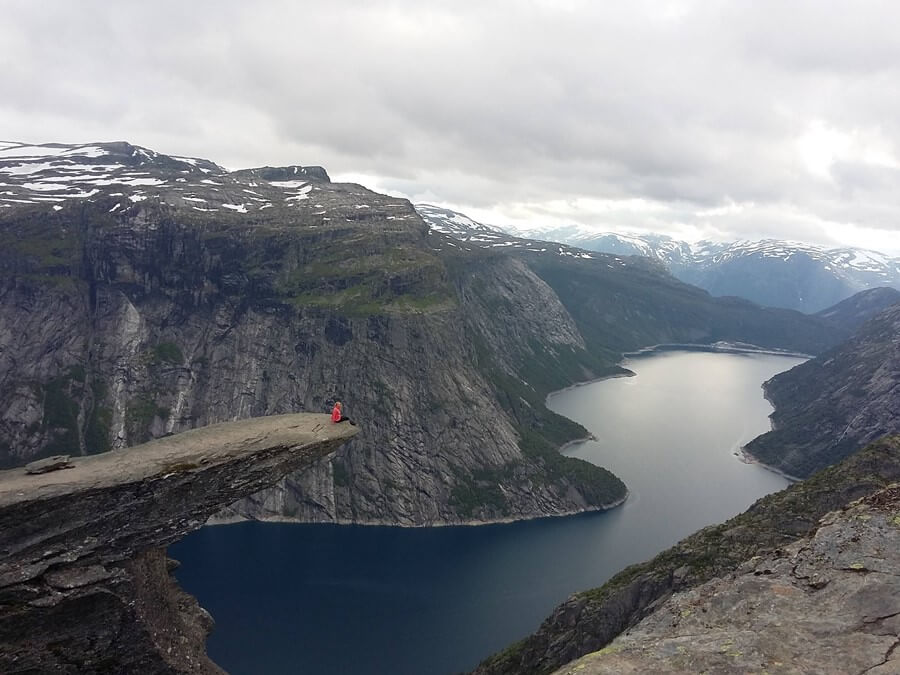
<point x="84" y="579"/>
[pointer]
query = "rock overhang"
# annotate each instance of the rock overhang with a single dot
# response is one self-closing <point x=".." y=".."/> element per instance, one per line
<point x="83" y="575"/>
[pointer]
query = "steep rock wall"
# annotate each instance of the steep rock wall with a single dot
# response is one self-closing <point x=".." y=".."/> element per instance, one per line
<point x="131" y="313"/>
<point x="828" y="407"/>
<point x="158" y="326"/>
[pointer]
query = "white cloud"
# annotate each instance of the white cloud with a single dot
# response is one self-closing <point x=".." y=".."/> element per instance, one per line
<point x="720" y="118"/>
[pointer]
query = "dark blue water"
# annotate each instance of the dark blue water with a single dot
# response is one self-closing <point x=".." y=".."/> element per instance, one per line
<point x="323" y="599"/>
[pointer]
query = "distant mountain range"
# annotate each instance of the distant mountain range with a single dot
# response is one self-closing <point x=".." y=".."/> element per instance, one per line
<point x="770" y="272"/>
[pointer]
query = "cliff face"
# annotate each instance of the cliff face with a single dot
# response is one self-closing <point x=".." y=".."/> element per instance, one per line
<point x="829" y="406"/>
<point x="828" y="603"/>
<point x="175" y="294"/>
<point x="127" y="319"/>
<point x="84" y="580"/>
<point x="590" y="620"/>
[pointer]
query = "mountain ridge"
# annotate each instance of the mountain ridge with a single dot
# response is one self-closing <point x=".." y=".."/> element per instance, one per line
<point x="829" y="406"/>
<point x="770" y="272"/>
<point x="152" y="295"/>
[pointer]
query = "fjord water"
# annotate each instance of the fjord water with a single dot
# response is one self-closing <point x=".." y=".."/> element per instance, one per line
<point x="323" y="599"/>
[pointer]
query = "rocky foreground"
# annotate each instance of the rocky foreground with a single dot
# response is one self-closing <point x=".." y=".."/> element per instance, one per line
<point x="590" y="620"/>
<point x="84" y="578"/>
<point x="828" y="603"/>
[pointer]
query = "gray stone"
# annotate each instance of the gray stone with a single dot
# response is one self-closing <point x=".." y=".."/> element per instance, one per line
<point x="778" y="623"/>
<point x="752" y="544"/>
<point x="49" y="464"/>
<point x="85" y="584"/>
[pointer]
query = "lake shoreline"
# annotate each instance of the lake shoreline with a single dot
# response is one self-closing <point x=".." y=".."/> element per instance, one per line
<point x="715" y="348"/>
<point x="743" y="456"/>
<point x="626" y="373"/>
<point x="494" y="583"/>
<point x="231" y="520"/>
<point x="747" y="458"/>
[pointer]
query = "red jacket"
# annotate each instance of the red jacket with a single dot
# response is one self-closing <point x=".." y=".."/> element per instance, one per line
<point x="335" y="414"/>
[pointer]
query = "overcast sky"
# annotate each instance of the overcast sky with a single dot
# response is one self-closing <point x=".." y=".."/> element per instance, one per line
<point x="720" y="120"/>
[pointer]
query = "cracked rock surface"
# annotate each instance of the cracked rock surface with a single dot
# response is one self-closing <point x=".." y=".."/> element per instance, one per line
<point x="84" y="579"/>
<point x="828" y="603"/>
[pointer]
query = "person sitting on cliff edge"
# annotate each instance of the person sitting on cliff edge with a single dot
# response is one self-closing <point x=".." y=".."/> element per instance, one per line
<point x="337" y="414"/>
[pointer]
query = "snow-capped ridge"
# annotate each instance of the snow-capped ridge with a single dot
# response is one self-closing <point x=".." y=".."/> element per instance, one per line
<point x="32" y="174"/>
<point x="780" y="273"/>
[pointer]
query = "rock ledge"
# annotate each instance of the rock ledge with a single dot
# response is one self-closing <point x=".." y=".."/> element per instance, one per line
<point x="84" y="582"/>
<point x="828" y="603"/>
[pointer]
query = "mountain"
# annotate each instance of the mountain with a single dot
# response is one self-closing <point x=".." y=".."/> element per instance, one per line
<point x="787" y="274"/>
<point x="459" y="226"/>
<point x="830" y="406"/>
<point x="770" y="272"/>
<point x="853" y="312"/>
<point x="712" y="558"/>
<point x="85" y="582"/>
<point x="143" y="294"/>
<point x="156" y="294"/>
<point x="475" y="235"/>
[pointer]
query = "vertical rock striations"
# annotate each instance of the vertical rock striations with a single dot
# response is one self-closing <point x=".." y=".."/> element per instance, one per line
<point x="166" y="293"/>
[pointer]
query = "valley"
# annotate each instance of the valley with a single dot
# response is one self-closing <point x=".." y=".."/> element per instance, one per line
<point x="408" y="337"/>
<point x="380" y="600"/>
<point x="145" y="295"/>
<point x="142" y="311"/>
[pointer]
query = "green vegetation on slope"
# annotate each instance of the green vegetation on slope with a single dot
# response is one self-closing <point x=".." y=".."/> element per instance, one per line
<point x="626" y="306"/>
<point x="34" y="240"/>
<point x="363" y="276"/>
<point x="167" y="352"/>
<point x="541" y="431"/>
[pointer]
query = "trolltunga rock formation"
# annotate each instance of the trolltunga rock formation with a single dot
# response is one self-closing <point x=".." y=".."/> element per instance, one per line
<point x="84" y="578"/>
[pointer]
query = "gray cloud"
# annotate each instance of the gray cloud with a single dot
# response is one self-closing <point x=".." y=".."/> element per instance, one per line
<point x="722" y="119"/>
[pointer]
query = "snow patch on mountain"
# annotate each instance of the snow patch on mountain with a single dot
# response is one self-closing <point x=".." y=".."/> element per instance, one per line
<point x="31" y="174"/>
<point x="771" y="272"/>
<point x="468" y="234"/>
